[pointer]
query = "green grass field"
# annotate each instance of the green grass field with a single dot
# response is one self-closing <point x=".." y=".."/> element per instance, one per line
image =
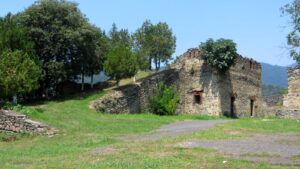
<point x="82" y="130"/>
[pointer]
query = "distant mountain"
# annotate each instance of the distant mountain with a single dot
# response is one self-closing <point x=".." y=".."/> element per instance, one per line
<point x="274" y="75"/>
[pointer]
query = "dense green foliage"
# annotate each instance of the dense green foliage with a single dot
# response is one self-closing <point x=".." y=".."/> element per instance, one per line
<point x="293" y="38"/>
<point x="155" y="42"/>
<point x="65" y="42"/>
<point x="19" y="74"/>
<point x="120" y="63"/>
<point x="19" y="70"/>
<point x="14" y="36"/>
<point x="219" y="54"/>
<point x="59" y="39"/>
<point x="164" y="100"/>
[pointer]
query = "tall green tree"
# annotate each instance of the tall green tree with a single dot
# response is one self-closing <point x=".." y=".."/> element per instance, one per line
<point x="14" y="36"/>
<point x="19" y="74"/>
<point x="92" y="47"/>
<point x="293" y="38"/>
<point x="63" y="38"/>
<point x="219" y="54"/>
<point x="120" y="63"/>
<point x="157" y="41"/>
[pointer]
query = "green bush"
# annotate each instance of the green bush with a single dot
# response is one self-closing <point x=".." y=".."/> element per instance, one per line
<point x="164" y="100"/>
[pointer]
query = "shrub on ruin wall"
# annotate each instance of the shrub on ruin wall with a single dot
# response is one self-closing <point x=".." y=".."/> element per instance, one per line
<point x="164" y="100"/>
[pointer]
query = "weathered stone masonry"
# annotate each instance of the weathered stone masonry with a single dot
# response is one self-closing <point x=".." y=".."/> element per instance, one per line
<point x="134" y="98"/>
<point x="15" y="122"/>
<point x="235" y="93"/>
<point x="203" y="90"/>
<point x="291" y="101"/>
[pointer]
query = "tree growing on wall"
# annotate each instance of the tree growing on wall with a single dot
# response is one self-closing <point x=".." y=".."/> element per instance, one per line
<point x="293" y="38"/>
<point x="219" y="54"/>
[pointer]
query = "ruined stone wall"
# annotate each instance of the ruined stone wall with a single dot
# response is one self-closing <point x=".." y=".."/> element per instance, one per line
<point x="15" y="122"/>
<point x="291" y="101"/>
<point x="241" y="83"/>
<point x="202" y="89"/>
<point x="245" y="80"/>
<point x="134" y="98"/>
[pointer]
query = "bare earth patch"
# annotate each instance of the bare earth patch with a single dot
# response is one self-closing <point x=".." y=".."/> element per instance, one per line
<point x="275" y="148"/>
<point x="103" y="150"/>
<point x="176" y="129"/>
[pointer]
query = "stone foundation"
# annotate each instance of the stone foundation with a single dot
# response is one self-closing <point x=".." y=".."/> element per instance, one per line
<point x="15" y="122"/>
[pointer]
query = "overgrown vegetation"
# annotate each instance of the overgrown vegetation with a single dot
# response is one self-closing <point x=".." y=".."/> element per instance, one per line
<point x="219" y="54"/>
<point x="164" y="100"/>
<point x="65" y="46"/>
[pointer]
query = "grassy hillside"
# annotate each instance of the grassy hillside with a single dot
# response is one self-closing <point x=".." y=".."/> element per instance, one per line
<point x="83" y="130"/>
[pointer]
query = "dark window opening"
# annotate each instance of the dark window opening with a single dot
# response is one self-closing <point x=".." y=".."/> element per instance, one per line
<point x="197" y="99"/>
<point x="232" y="113"/>
<point x="197" y="96"/>
<point x="251" y="107"/>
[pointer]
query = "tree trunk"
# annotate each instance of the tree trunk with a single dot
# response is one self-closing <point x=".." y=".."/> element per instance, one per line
<point x="118" y="84"/>
<point x="134" y="79"/>
<point x="150" y="61"/>
<point x="82" y="81"/>
<point x="92" y="81"/>
<point x="15" y="99"/>
<point x="158" y="64"/>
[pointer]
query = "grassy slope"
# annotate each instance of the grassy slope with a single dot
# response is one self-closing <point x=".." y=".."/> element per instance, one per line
<point x="82" y="130"/>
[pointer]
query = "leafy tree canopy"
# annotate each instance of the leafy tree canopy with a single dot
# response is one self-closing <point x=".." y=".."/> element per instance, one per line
<point x="63" y="38"/>
<point x="14" y="36"/>
<point x="120" y="63"/>
<point x="19" y="74"/>
<point x="157" y="42"/>
<point x="293" y="38"/>
<point x="219" y="54"/>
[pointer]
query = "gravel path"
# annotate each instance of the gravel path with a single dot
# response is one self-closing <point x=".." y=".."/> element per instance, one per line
<point x="275" y="148"/>
<point x="176" y="129"/>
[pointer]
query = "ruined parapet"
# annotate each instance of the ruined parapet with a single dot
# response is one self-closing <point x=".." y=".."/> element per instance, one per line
<point x="291" y="101"/>
<point x="16" y="122"/>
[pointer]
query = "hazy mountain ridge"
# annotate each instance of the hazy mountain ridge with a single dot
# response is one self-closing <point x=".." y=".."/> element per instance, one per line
<point x="274" y="75"/>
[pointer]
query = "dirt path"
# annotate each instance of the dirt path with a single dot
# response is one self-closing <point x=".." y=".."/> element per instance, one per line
<point x="176" y="129"/>
<point x="275" y="148"/>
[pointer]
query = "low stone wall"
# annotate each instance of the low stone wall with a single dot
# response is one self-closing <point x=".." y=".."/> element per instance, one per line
<point x="134" y="98"/>
<point x="289" y="113"/>
<point x="15" y="122"/>
<point x="276" y="100"/>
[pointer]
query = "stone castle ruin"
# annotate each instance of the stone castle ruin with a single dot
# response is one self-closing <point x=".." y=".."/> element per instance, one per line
<point x="203" y="90"/>
<point x="291" y="101"/>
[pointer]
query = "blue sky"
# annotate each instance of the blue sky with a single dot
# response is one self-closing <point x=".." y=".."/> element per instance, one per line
<point x="255" y="25"/>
